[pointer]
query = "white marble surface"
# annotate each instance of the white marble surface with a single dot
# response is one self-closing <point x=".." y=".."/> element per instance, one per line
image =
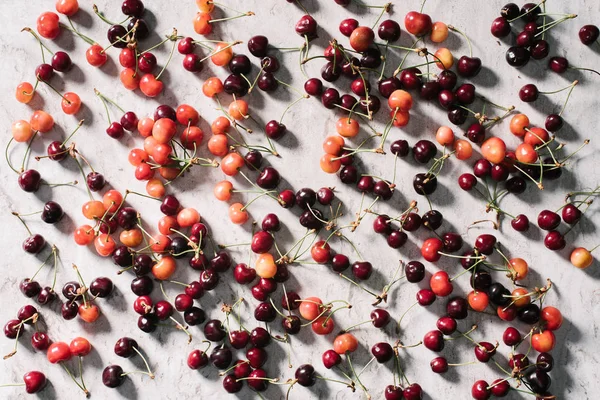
<point x="575" y="292"/>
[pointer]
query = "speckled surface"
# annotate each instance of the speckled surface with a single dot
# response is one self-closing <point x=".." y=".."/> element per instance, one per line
<point x="575" y="292"/>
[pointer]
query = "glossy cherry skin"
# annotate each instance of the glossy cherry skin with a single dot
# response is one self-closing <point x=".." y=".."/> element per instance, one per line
<point x="101" y="287"/>
<point x="484" y="351"/>
<point x="517" y="56"/>
<point x="468" y="67"/>
<point x="383" y="352"/>
<point x="555" y="241"/>
<point x="257" y="45"/>
<point x="424" y="184"/>
<point x="480" y="390"/>
<point x="112" y="376"/>
<point x="268" y="179"/>
<point x="446" y="325"/>
<point x="571" y="214"/>
<point x="34" y="381"/>
<point x="30" y="180"/>
<point x="414" y="271"/>
<point x="500" y="27"/>
<point x="413" y="392"/>
<point x="588" y="34"/>
<point x="389" y="30"/>
<point x="457" y="308"/>
<point x="539" y="49"/>
<point x="538" y="380"/>
<point x="197" y="359"/>
<point x="214" y="331"/>
<point x="307" y="26"/>
<point x="34" y="244"/>
<point x="52" y="212"/>
<point x="434" y="340"/>
<point x="40" y="341"/>
<point x="548" y="220"/>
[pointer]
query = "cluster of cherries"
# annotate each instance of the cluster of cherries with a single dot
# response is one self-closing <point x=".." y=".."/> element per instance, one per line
<point x="173" y="138"/>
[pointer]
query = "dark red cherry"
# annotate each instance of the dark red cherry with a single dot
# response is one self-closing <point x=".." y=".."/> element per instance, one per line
<point x="446" y="325"/>
<point x="30" y="180"/>
<point x="101" y="287"/>
<point x="115" y="130"/>
<point x="432" y="219"/>
<point x="500" y="27"/>
<point x="413" y="392"/>
<point x="389" y="30"/>
<point x="268" y="178"/>
<point x="307" y="26"/>
<point x="52" y="212"/>
<point x="480" y="390"/>
<point x="388" y="86"/>
<point x="197" y="359"/>
<point x="44" y="72"/>
<point x="530" y="12"/>
<point x="555" y="241"/>
<point x="275" y="129"/>
<point x="133" y="8"/>
<point x="468" y="67"/>
<point x="313" y="87"/>
<point x="467" y="181"/>
<point x="465" y="94"/>
<point x="253" y="159"/>
<point x="484" y="351"/>
<point x="510" y="11"/>
<point x="265" y="312"/>
<point x="306" y="375"/>
<point x="447" y="79"/>
<point x="214" y="330"/>
<point x="34" y="243"/>
<point x="434" y="340"/>
<point x="113" y="376"/>
<point x="95" y="181"/>
<point x="588" y="34"/>
<point x="186" y="45"/>
<point x="571" y="214"/>
<point x="221" y="357"/>
<point x="330" y="98"/>
<point x="397" y="239"/>
<point x="517" y="56"/>
<point x="362" y="270"/>
<point x="539" y="49"/>
<point x="57" y="151"/>
<point x="257" y="45"/>
<point x="348" y="26"/>
<point x="382" y="351"/>
<point x="548" y="220"/>
<point x="485" y="243"/>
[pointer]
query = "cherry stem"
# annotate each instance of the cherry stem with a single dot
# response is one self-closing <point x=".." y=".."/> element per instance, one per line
<point x="103" y="18"/>
<point x="555" y="23"/>
<point x="246" y="14"/>
<point x="75" y="31"/>
<point x="84" y="177"/>
<point x="179" y="326"/>
<point x="452" y="28"/>
<point x="174" y="35"/>
<point x="121" y="39"/>
<point x="73" y="133"/>
<point x="575" y="82"/>
<point x="87" y="393"/>
<point x="528" y="11"/>
<point x="42" y="45"/>
<point x="404" y="314"/>
<point x="290" y="106"/>
<point x="150" y="374"/>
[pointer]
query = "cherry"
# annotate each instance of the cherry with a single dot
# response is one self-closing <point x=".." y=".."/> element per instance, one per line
<point x="34" y="381"/>
<point x="268" y="179"/>
<point x="446" y="325"/>
<point x="511" y="336"/>
<point x="500" y="388"/>
<point x="555" y="241"/>
<point x="468" y="181"/>
<point x="307" y="27"/>
<point x="275" y="130"/>
<point x="510" y="11"/>
<point x="558" y="64"/>
<point x="411" y="79"/>
<point x="231" y="384"/>
<point x="34" y="244"/>
<point x="392" y="392"/>
<point x="257" y="45"/>
<point x="46" y="295"/>
<point x="548" y="220"/>
<point x="571" y="214"/>
<point x="497" y="294"/>
<point x="439" y="365"/>
<point x="387" y="86"/>
<point x="163" y="310"/>
<point x="414" y="271"/>
<point x="480" y="390"/>
<point x="457" y="308"/>
<point x="52" y="212"/>
<point x="425" y="184"/>
<point x="389" y="30"/>
<point x="424" y="151"/>
<point x="529" y="93"/>
<point x="417" y="23"/>
<point x="258" y="385"/>
<point x="530" y="12"/>
<point x="519" y="361"/>
<point x="313" y="87"/>
<point x="484" y="351"/>
<point x="383" y="352"/>
<point x="468" y="67"/>
<point x="432" y="219"/>
<point x="133" y="8"/>
<point x="197" y="359"/>
<point x="348" y="26"/>
<point x="265" y="312"/>
<point x="588" y="34"/>
<point x="457" y="115"/>
<point x="244" y="274"/>
<point x="214" y="331"/>
<point x="260" y="337"/>
<point x="481" y="281"/>
<point x="11" y="328"/>
<point x="382" y="225"/>
<point x="362" y="270"/>
<point x="538" y="380"/>
<point x="40" y="341"/>
<point x="500" y="27"/>
<point x="516" y="185"/>
<point x="30" y="180"/>
<point x="545" y="362"/>
<point x="61" y="61"/>
<point x="413" y="392"/>
<point x="113" y="376"/>
<point x="485" y="244"/>
<point x="330" y="98"/>
<point x="540" y="49"/>
<point x="530" y="314"/>
<point x="434" y="340"/>
<point x="221" y="357"/>
<point x="331" y="359"/>
<point x="101" y="287"/>
<point x="517" y="56"/>
<point x="452" y="242"/>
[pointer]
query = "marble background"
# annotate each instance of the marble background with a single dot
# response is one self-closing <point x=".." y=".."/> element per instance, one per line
<point x="575" y="292"/>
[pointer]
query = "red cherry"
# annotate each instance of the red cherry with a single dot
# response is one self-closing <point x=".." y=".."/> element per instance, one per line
<point x="430" y="249"/>
<point x="151" y="86"/>
<point x="417" y="23"/>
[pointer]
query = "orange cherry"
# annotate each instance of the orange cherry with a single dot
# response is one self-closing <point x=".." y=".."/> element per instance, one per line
<point x="519" y="297"/>
<point x="130" y="79"/>
<point x="41" y="121"/>
<point x="347" y="127"/>
<point x="543" y="342"/>
<point x="164" y="268"/>
<point x="80" y="347"/>
<point x="112" y="200"/>
<point x="155" y="188"/>
<point x="401" y="100"/>
<point x="439" y="32"/>
<point x="104" y="244"/>
<point x="361" y="38"/>
<point x="237" y="214"/>
<point x="132" y="237"/>
<point x="160" y="243"/>
<point x="536" y="136"/>
<point x="151" y="86"/>
<point x="518" y="268"/>
<point x="191" y="137"/>
<point x="444" y="58"/>
<point x="238" y="110"/>
<point x="187" y="115"/>
<point x="444" y="136"/>
<point x="21" y="131"/>
<point x="71" y="103"/>
<point x="222" y="190"/>
<point x="67" y="7"/>
<point x="525" y="153"/>
<point x="494" y="150"/>
<point x="232" y="163"/>
<point x="334" y="145"/>
<point x="463" y="149"/>
<point x="89" y="312"/>
<point x="202" y="24"/>
<point x="518" y="123"/>
<point x="93" y="209"/>
<point x="265" y="266"/>
<point x="188" y="217"/>
<point x="166" y="223"/>
<point x="310" y="308"/>
<point x="24" y="92"/>
<point x="222" y="54"/>
<point x="329" y="164"/>
<point x="212" y="87"/>
<point x="145" y="126"/>
<point x="84" y="235"/>
<point x="345" y="343"/>
<point x="400" y="118"/>
<point x="478" y="300"/>
<point x="47" y="25"/>
<point x="205" y="5"/>
<point x="581" y="257"/>
<point x="218" y="145"/>
<point x="220" y="125"/>
<point x="552" y="317"/>
<point x="164" y="130"/>
<point x="169" y="173"/>
<point x="137" y="156"/>
<point x="441" y="284"/>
